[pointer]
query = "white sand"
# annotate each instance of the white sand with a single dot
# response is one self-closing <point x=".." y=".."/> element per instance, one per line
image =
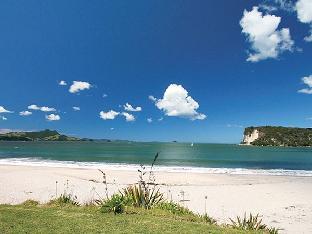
<point x="283" y="201"/>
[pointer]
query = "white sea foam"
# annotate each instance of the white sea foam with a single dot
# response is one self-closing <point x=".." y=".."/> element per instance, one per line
<point x="135" y="167"/>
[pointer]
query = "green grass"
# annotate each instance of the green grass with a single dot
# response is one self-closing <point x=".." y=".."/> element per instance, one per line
<point x="73" y="219"/>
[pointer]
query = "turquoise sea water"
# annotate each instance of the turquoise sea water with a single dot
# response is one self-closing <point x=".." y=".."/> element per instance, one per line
<point x="174" y="156"/>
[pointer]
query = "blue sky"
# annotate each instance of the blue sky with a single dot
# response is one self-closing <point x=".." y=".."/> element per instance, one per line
<point x="239" y="69"/>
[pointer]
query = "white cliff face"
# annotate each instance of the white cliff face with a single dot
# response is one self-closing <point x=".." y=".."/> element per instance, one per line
<point x="248" y="139"/>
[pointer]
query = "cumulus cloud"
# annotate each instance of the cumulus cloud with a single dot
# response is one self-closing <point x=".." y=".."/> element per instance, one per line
<point x="128" y="107"/>
<point x="304" y="14"/>
<point x="76" y="108"/>
<point x="79" y="86"/>
<point x="149" y="120"/>
<point x="129" y="117"/>
<point x="110" y="115"/>
<point x="42" y="108"/>
<point x="62" y="83"/>
<point x="3" y="110"/>
<point x="261" y="31"/>
<point x="177" y="102"/>
<point x="308" y="81"/>
<point x="25" y="113"/>
<point x="52" y="117"/>
<point x="3" y="118"/>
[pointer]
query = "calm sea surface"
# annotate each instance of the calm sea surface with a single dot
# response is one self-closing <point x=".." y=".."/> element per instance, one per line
<point x="171" y="155"/>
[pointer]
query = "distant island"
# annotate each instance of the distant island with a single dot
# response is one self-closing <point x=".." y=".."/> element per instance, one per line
<point x="277" y="136"/>
<point x="45" y="135"/>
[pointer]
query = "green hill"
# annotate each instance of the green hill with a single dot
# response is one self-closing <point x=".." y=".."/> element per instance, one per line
<point x="45" y="135"/>
<point x="277" y="136"/>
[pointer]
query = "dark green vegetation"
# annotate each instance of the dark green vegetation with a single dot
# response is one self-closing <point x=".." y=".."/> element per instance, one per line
<point x="281" y="136"/>
<point x="252" y="222"/>
<point x="45" y="135"/>
<point x="88" y="219"/>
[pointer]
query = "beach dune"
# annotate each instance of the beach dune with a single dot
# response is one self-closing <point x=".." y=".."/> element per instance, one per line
<point x="282" y="201"/>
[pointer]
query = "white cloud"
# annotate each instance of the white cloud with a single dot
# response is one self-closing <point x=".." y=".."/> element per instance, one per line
<point x="304" y="11"/>
<point x="47" y="109"/>
<point x="104" y="95"/>
<point x="25" y="113"/>
<point x="160" y="119"/>
<point x="129" y="117"/>
<point x="3" y="110"/>
<point x="128" y="107"/>
<point x="111" y="129"/>
<point x="76" y="108"/>
<point x="177" y="102"/>
<point x="33" y="107"/>
<point x="261" y="31"/>
<point x="108" y="115"/>
<point x="79" y="86"/>
<point x="3" y="118"/>
<point x="152" y="98"/>
<point x="52" y="117"/>
<point x="149" y="120"/>
<point x="308" y="81"/>
<point x="62" y="82"/>
<point x="43" y="108"/>
<point x="304" y="14"/>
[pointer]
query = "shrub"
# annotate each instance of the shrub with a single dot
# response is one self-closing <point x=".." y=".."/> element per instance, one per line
<point x="30" y="202"/>
<point x="64" y="199"/>
<point x="141" y="196"/>
<point x="114" y="204"/>
<point x="252" y="223"/>
<point x="208" y="219"/>
<point x="173" y="208"/>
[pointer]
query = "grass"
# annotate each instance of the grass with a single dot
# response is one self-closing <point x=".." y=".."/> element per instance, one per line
<point x="84" y="219"/>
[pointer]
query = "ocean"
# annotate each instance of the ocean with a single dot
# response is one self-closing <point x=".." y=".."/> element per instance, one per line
<point x="208" y="158"/>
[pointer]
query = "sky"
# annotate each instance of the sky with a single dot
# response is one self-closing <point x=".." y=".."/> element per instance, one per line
<point x="193" y="71"/>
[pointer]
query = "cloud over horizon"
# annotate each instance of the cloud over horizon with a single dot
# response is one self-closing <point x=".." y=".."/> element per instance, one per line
<point x="52" y="117"/>
<point x="43" y="108"/>
<point x="25" y="113"/>
<point x="262" y="33"/>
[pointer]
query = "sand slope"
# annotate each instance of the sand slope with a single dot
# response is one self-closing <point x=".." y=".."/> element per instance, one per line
<point x="283" y="201"/>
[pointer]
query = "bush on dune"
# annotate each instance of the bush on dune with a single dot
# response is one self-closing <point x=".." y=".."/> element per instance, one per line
<point x="30" y="202"/>
<point x="63" y="200"/>
<point x="252" y="222"/>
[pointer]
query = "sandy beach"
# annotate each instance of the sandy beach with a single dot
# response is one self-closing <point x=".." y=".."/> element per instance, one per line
<point x="283" y="201"/>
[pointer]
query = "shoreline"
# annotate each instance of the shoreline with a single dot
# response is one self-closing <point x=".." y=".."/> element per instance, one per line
<point x="283" y="201"/>
<point x="33" y="162"/>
